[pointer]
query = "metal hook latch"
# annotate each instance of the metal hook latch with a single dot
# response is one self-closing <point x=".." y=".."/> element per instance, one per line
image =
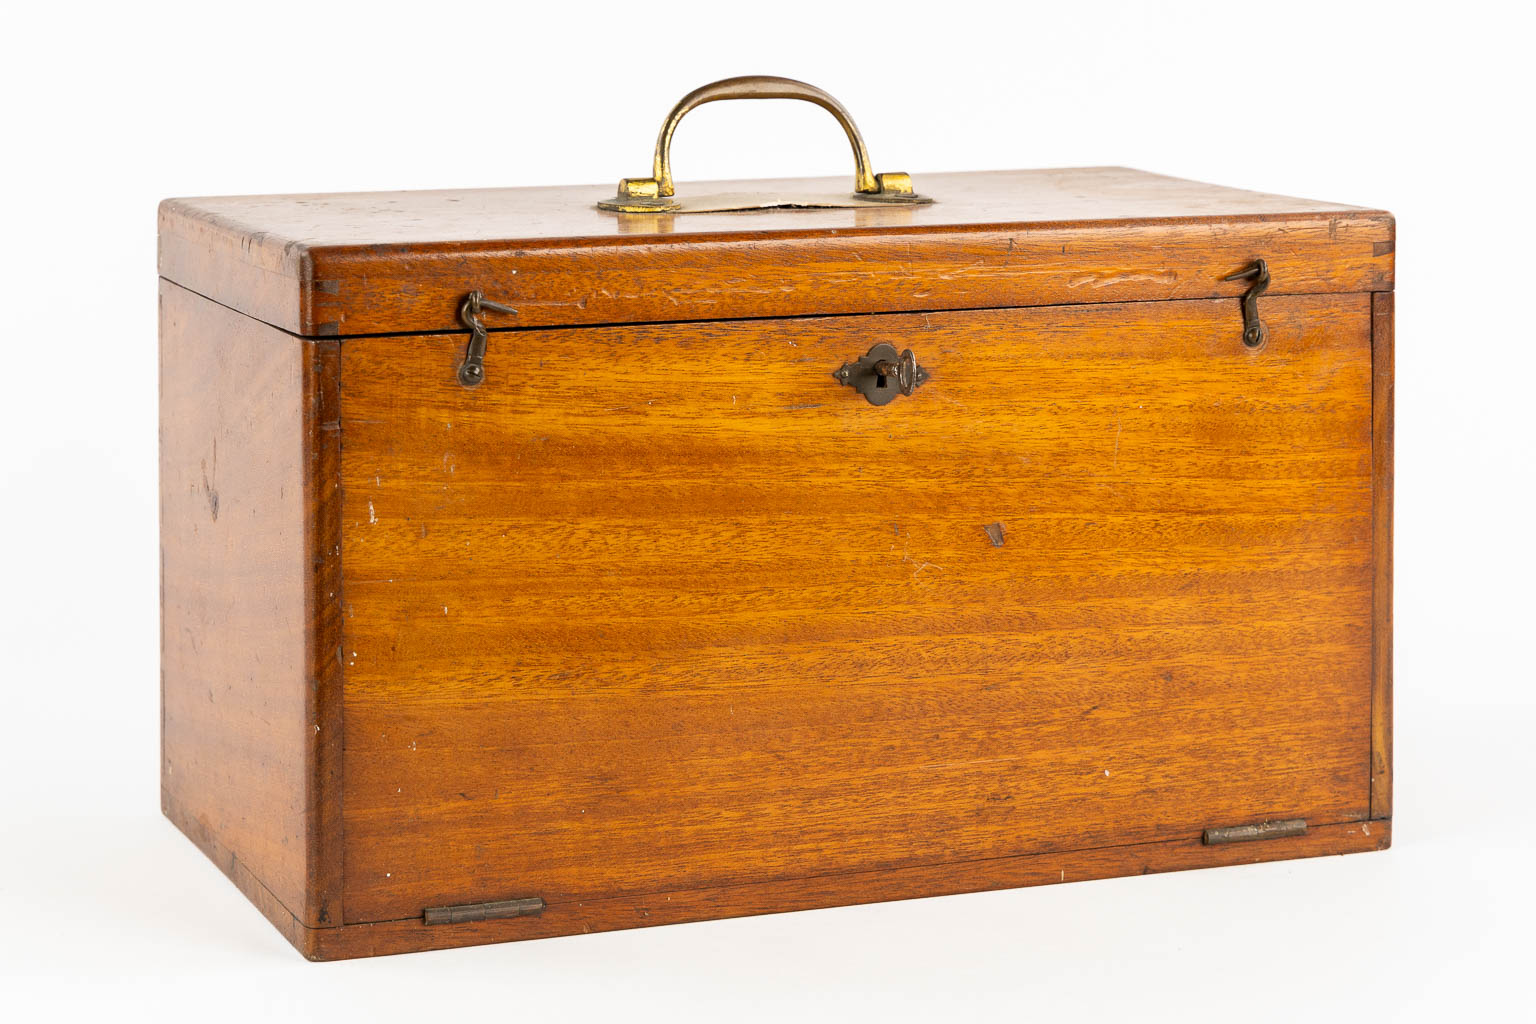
<point x="472" y="370"/>
<point x="1254" y="331"/>
<point x="882" y="374"/>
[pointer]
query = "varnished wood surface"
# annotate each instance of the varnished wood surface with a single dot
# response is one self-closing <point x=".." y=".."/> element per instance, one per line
<point x="250" y="724"/>
<point x="584" y="917"/>
<point x="566" y="212"/>
<point x="1382" y="416"/>
<point x="195" y="826"/>
<point x="322" y="609"/>
<point x="354" y="264"/>
<point x="664" y="607"/>
<point x="837" y="890"/>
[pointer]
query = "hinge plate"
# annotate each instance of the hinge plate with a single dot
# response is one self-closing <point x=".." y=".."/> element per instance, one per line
<point x="1262" y="830"/>
<point x="529" y="907"/>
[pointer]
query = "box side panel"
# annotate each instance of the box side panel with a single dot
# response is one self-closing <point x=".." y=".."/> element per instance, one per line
<point x="667" y="607"/>
<point x="243" y="683"/>
<point x="1382" y="411"/>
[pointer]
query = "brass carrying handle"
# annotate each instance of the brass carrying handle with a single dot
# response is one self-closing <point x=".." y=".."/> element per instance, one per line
<point x="657" y="191"/>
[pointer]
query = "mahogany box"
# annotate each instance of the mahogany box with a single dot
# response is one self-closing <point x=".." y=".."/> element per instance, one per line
<point x="549" y="560"/>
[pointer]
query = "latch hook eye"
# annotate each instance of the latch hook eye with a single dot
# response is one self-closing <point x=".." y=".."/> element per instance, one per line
<point x="1254" y="331"/>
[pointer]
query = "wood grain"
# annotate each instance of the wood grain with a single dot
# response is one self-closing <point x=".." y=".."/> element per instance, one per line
<point x="195" y="827"/>
<point x="1382" y="414"/>
<point x="665" y="607"/>
<point x="250" y="727"/>
<point x="406" y="936"/>
<point x="322" y="607"/>
<point x="389" y="262"/>
<point x="839" y="890"/>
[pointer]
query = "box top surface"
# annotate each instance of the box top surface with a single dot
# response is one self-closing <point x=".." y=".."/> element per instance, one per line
<point x="370" y="262"/>
<point x="566" y="212"/>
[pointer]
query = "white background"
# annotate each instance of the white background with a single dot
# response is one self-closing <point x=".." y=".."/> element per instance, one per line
<point x="109" y="913"/>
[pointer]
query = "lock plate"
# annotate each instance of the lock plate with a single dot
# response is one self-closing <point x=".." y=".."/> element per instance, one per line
<point x="879" y="375"/>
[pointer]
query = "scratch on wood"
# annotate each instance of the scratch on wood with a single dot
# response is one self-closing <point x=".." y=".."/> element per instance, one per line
<point x="1109" y="280"/>
<point x="209" y="487"/>
<point x="995" y="534"/>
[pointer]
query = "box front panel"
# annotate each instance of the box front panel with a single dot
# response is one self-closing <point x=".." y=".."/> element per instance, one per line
<point x="662" y="607"/>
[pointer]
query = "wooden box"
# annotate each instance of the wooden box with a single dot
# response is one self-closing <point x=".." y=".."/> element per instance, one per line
<point x="696" y="602"/>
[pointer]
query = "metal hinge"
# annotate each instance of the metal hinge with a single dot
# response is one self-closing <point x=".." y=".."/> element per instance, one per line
<point x="529" y="907"/>
<point x="1263" y="830"/>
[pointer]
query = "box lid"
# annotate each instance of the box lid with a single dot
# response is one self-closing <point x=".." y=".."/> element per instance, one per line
<point x="377" y="262"/>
